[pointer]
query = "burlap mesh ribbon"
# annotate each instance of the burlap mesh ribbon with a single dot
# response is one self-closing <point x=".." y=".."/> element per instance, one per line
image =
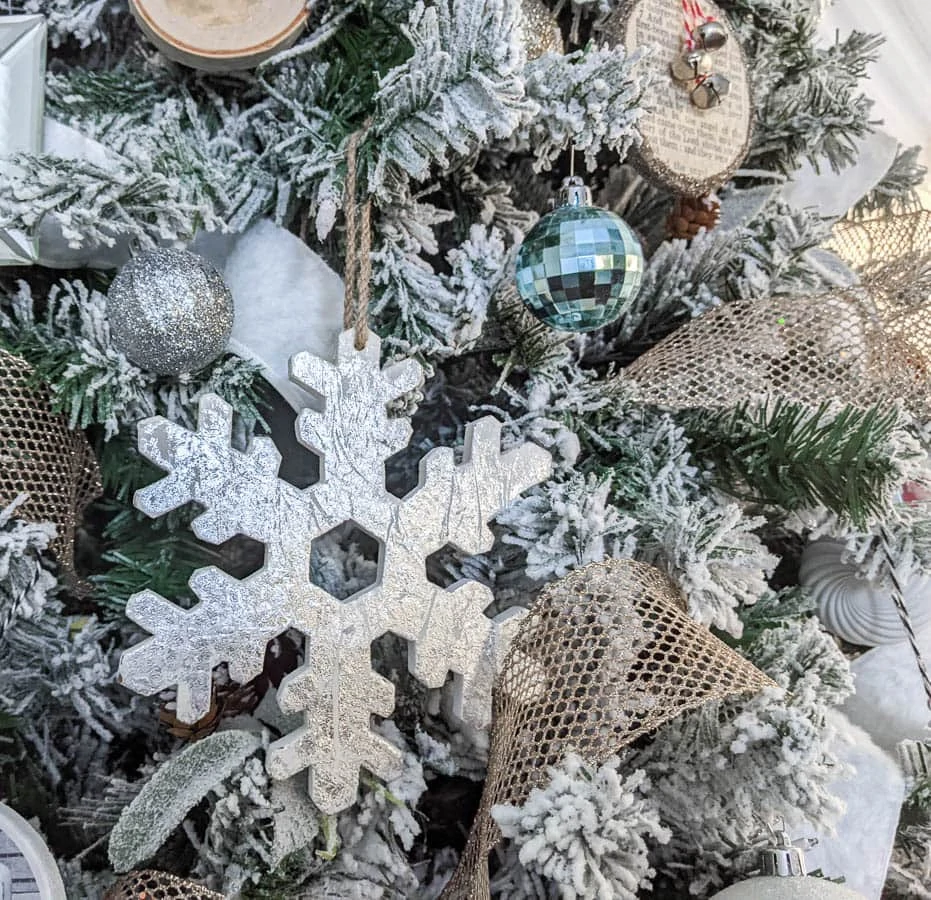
<point x="605" y="655"/>
<point x="152" y="885"/>
<point x="43" y="458"/>
<point x="871" y="242"/>
<point x="863" y="345"/>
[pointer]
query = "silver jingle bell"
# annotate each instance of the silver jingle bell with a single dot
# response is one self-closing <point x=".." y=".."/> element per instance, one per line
<point x="691" y="65"/>
<point x="711" y="35"/>
<point x="711" y="92"/>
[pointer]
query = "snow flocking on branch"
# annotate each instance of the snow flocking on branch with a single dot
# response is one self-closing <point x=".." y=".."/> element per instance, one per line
<point x="720" y="770"/>
<point x="592" y="99"/>
<point x="588" y="831"/>
<point x="461" y="87"/>
<point x="25" y="583"/>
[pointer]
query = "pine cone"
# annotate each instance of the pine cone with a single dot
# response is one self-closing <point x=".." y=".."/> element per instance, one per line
<point x="230" y="699"/>
<point x="691" y="214"/>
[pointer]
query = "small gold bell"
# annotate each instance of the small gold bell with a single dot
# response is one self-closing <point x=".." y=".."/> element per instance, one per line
<point x="691" y="65"/>
<point x="711" y="92"/>
<point x="711" y="35"/>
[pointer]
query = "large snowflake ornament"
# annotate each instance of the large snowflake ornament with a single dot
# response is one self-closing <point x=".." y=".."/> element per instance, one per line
<point x="336" y="689"/>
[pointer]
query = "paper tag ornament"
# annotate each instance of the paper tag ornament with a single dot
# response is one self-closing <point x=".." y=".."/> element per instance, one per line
<point x="27" y="868"/>
<point x="695" y="132"/>
<point x="220" y="35"/>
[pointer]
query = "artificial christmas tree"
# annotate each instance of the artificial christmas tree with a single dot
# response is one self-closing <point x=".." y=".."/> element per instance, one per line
<point x="411" y="147"/>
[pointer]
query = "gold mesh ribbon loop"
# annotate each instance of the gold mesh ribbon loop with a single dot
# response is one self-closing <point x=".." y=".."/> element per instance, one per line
<point x="152" y="885"/>
<point x="42" y="457"/>
<point x="871" y="242"/>
<point x="605" y="655"/>
<point x="865" y="345"/>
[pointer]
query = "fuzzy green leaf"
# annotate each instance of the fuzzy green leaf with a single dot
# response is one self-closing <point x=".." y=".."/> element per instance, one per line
<point x="173" y="791"/>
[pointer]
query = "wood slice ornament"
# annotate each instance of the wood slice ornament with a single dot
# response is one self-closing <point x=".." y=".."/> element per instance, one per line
<point x="220" y="35"/>
<point x="685" y="148"/>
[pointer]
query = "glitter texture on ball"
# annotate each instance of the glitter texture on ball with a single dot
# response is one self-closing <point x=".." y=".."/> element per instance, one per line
<point x="170" y="312"/>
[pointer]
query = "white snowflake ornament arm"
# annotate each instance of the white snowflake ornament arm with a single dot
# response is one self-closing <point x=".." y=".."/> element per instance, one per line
<point x="242" y="491"/>
<point x="233" y="624"/>
<point x="447" y="627"/>
<point x="373" y="437"/>
<point x="338" y="693"/>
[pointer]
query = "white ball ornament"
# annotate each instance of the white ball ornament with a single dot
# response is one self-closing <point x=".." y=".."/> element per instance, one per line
<point x="769" y="887"/>
<point x="170" y="312"/>
<point x="784" y="878"/>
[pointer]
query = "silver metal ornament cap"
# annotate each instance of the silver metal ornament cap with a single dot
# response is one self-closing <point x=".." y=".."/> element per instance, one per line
<point x="711" y="35"/>
<point x="784" y="860"/>
<point x="691" y="65"/>
<point x="574" y="192"/>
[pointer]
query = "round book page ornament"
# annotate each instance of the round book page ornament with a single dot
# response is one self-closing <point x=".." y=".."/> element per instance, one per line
<point x="696" y="130"/>
<point x="220" y="35"/>
<point x="27" y="868"/>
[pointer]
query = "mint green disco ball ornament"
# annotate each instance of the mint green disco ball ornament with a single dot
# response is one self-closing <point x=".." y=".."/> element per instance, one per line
<point x="580" y="267"/>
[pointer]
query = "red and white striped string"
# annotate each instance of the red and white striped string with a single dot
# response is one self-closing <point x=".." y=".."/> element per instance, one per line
<point x="694" y="16"/>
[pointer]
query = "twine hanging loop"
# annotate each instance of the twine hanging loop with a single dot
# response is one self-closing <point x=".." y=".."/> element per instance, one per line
<point x="358" y="246"/>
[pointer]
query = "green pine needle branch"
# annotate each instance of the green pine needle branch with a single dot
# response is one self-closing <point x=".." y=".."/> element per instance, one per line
<point x="795" y="456"/>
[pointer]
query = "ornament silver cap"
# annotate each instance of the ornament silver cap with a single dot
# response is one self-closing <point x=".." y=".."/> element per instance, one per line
<point x="711" y="92"/>
<point x="784" y="860"/>
<point x="574" y="192"/>
<point x="691" y="65"/>
<point x="711" y="35"/>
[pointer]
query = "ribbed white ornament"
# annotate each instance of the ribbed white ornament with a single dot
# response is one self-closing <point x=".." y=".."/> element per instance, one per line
<point x="857" y="609"/>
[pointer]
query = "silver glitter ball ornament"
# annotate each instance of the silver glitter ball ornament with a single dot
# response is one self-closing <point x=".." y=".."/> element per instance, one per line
<point x="711" y="92"/>
<point x="170" y="312"/>
<point x="711" y="35"/>
<point x="691" y="65"/>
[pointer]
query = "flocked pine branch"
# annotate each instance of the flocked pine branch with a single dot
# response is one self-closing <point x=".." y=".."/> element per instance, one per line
<point x="809" y="104"/>
<point x="644" y="500"/>
<point x="440" y="315"/>
<point x="94" y="204"/>
<point x="461" y="88"/>
<point x="896" y="191"/>
<point x="564" y="525"/>
<point x="84" y="21"/>
<point x="261" y="836"/>
<point x="59" y="682"/>
<point x="592" y="99"/>
<point x="170" y="162"/>
<point x="588" y="833"/>
<point x="25" y="580"/>
<point x="718" y="771"/>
